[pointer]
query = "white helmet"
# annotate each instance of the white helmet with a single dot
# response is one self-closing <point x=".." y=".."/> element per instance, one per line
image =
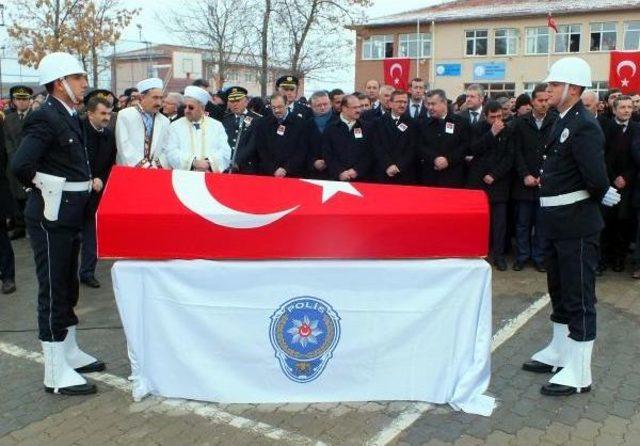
<point x="570" y="70"/>
<point x="58" y="65"/>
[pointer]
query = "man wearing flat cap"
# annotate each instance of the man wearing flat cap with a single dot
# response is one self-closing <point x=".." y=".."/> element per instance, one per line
<point x="239" y="124"/>
<point x="196" y="141"/>
<point x="13" y="123"/>
<point x="141" y="130"/>
<point x="288" y="87"/>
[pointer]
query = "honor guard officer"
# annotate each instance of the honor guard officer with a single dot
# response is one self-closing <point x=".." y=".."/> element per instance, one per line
<point x="288" y="87"/>
<point x="573" y="183"/>
<point x="241" y="121"/>
<point x="53" y="157"/>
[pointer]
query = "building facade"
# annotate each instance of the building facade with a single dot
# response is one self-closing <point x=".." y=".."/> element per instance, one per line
<point x="179" y="66"/>
<point x="504" y="45"/>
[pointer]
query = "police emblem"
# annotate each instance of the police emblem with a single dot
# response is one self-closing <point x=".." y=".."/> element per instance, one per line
<point x="564" y="135"/>
<point x="304" y="333"/>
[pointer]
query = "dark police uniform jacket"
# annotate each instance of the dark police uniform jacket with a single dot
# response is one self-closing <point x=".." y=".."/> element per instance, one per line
<point x="301" y="111"/>
<point x="246" y="156"/>
<point x="275" y="150"/>
<point x="395" y="144"/>
<point x="448" y="137"/>
<point x="53" y="143"/>
<point x="313" y="142"/>
<point x="6" y="199"/>
<point x="574" y="161"/>
<point x="492" y="155"/>
<point x="344" y="150"/>
<point x="528" y="147"/>
<point x="101" y="148"/>
<point x="619" y="161"/>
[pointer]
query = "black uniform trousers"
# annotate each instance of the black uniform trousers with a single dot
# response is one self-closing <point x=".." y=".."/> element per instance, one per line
<point x="498" y="230"/>
<point x="7" y="258"/>
<point x="55" y="250"/>
<point x="571" y="277"/>
<point x="88" y="256"/>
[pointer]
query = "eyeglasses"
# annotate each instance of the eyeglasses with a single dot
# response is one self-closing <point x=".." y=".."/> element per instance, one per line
<point x="190" y="107"/>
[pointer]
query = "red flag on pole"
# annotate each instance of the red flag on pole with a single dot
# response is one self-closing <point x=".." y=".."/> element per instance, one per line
<point x="396" y="73"/>
<point x="624" y="71"/>
<point x="552" y="23"/>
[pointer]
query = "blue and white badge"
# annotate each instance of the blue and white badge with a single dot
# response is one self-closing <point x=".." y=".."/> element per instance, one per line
<point x="564" y="135"/>
<point x="304" y="333"/>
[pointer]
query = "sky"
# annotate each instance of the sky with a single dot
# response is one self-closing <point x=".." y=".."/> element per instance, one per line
<point x="152" y="30"/>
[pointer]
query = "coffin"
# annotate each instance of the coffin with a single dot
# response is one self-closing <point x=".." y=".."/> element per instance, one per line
<point x="163" y="214"/>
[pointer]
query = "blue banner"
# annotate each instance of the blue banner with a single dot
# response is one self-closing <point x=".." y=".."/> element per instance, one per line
<point x="490" y="71"/>
<point x="448" y="69"/>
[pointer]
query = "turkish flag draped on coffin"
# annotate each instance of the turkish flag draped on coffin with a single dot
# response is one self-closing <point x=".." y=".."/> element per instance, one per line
<point x="624" y="71"/>
<point x="396" y="73"/>
<point x="163" y="214"/>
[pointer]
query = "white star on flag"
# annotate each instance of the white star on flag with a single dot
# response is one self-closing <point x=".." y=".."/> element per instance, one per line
<point x="625" y="82"/>
<point x="330" y="188"/>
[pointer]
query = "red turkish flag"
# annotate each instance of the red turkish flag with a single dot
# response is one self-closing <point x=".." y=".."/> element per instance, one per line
<point x="396" y="73"/>
<point x="164" y="214"/>
<point x="624" y="71"/>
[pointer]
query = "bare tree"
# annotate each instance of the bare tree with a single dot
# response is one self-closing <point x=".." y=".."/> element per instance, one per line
<point x="219" y="26"/>
<point x="264" y="48"/>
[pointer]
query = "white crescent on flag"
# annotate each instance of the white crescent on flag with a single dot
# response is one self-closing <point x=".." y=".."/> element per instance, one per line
<point x="393" y="68"/>
<point x="191" y="189"/>
<point x="627" y="63"/>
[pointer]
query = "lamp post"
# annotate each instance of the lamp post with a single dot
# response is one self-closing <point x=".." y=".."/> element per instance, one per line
<point x="1" y="47"/>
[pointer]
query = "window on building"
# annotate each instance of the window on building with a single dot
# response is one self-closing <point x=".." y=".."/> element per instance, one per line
<point x="600" y="87"/>
<point x="377" y="47"/>
<point x="506" y="42"/>
<point x="604" y="36"/>
<point x="568" y="39"/>
<point x="632" y="35"/>
<point x="529" y="87"/>
<point x="408" y="45"/>
<point x="495" y="90"/>
<point x="187" y="65"/>
<point x="477" y="42"/>
<point x="537" y="40"/>
<point x="248" y="76"/>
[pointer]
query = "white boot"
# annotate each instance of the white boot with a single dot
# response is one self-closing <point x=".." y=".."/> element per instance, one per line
<point x="577" y="371"/>
<point x="554" y="354"/>
<point x="75" y="357"/>
<point x="58" y="373"/>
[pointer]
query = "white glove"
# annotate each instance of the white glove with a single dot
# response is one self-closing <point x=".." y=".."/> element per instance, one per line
<point x="611" y="198"/>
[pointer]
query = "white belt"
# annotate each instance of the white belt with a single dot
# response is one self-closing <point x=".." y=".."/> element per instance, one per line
<point x="77" y="186"/>
<point x="564" y="199"/>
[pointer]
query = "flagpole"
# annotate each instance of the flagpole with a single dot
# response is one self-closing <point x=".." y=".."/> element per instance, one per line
<point x="433" y="55"/>
<point x="419" y="48"/>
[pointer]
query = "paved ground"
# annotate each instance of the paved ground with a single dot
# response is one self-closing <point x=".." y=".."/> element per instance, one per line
<point x="609" y="415"/>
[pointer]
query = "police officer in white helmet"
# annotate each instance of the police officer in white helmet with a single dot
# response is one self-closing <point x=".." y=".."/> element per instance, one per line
<point x="52" y="160"/>
<point x="573" y="184"/>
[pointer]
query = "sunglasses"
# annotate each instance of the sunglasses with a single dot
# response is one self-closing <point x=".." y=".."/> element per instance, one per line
<point x="190" y="107"/>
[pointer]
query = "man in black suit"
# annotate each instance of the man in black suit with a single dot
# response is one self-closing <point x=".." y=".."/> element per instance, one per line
<point x="335" y="96"/>
<point x="314" y="131"/>
<point x="530" y="134"/>
<point x="52" y="159"/>
<point x="384" y="107"/>
<point x="618" y="230"/>
<point x="635" y="154"/>
<point x="573" y="184"/>
<point x="416" y="109"/>
<point x="394" y="143"/>
<point x="444" y="141"/>
<point x="279" y="141"/>
<point x="347" y="144"/>
<point x="101" y="149"/>
<point x="475" y="100"/>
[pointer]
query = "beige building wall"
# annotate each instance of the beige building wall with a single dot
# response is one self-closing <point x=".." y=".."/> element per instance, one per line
<point x="449" y="47"/>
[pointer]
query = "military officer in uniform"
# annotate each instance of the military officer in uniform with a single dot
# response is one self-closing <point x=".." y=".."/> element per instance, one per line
<point x="52" y="160"/>
<point x="241" y="121"/>
<point x="573" y="183"/>
<point x="288" y="87"/>
<point x="13" y="123"/>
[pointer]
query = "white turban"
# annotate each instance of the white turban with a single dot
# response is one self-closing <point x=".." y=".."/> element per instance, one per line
<point x="148" y="84"/>
<point x="199" y="94"/>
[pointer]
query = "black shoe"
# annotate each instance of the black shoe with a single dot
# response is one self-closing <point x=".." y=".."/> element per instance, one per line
<point x="97" y="366"/>
<point x="17" y="234"/>
<point x="8" y="286"/>
<point x="82" y="389"/>
<point x="560" y="390"/>
<point x="540" y="267"/>
<point x="539" y="367"/>
<point x="518" y="266"/>
<point x="91" y="282"/>
<point x="501" y="264"/>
